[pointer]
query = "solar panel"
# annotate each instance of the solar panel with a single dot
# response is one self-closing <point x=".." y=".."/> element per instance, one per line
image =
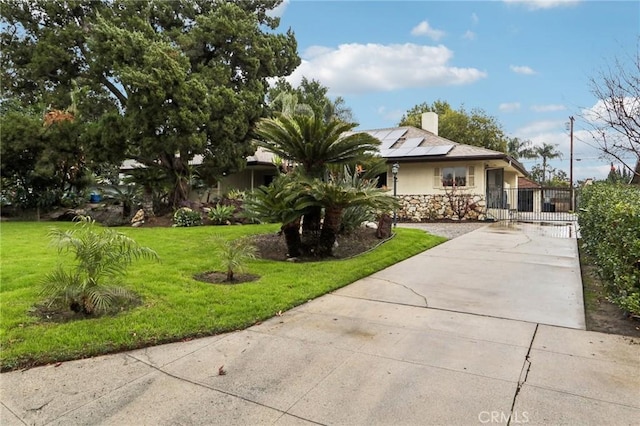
<point x="380" y="134"/>
<point x="420" y="151"/>
<point x="396" y="134"/>
<point x="441" y="149"/>
<point x="400" y="152"/>
<point x="387" y="143"/>
<point x="412" y="142"/>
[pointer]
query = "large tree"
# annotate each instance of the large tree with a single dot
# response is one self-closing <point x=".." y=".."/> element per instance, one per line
<point x="42" y="159"/>
<point x="614" y="121"/>
<point x="473" y="127"/>
<point x="161" y="81"/>
<point x="311" y="95"/>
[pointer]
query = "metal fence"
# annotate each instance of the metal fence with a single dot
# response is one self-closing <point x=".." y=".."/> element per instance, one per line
<point x="532" y="204"/>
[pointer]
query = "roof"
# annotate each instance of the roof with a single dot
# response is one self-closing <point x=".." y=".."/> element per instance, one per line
<point x="412" y="144"/>
<point x="524" y="183"/>
<point x="260" y="157"/>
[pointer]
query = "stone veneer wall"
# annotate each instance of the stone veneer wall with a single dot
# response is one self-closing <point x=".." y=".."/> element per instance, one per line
<point x="420" y="208"/>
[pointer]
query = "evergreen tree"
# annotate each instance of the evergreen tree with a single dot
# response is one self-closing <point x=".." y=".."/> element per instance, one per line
<point x="160" y="81"/>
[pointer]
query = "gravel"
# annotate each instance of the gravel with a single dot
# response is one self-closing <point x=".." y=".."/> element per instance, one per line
<point x="446" y="229"/>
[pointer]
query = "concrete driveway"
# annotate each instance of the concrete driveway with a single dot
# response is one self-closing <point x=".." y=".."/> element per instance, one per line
<point x="392" y="349"/>
<point x="517" y="271"/>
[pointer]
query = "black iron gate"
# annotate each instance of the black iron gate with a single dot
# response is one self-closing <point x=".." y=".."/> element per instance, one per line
<point x="544" y="204"/>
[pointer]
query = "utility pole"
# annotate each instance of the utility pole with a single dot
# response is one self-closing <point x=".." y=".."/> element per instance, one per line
<point x="571" y="119"/>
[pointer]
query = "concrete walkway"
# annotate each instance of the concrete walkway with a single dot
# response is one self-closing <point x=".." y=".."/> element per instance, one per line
<point x="483" y="329"/>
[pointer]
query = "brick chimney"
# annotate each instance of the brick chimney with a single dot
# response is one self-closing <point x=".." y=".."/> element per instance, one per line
<point x="430" y="122"/>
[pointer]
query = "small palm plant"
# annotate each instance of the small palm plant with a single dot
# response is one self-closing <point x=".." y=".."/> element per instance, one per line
<point x="101" y="260"/>
<point x="234" y="255"/>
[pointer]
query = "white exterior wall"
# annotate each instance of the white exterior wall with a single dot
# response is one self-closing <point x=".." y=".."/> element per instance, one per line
<point x="418" y="178"/>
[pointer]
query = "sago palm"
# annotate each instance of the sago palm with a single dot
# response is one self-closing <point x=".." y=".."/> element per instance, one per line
<point x="334" y="197"/>
<point x="101" y="258"/>
<point x="277" y="203"/>
<point x="314" y="144"/>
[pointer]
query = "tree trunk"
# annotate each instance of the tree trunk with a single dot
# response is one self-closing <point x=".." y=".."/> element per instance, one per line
<point x="180" y="192"/>
<point x="330" y="228"/>
<point x="291" y="233"/>
<point x="147" y="202"/>
<point x="384" y="226"/>
<point x="311" y="230"/>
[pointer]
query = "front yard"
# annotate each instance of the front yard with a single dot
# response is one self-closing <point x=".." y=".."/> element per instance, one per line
<point x="174" y="306"/>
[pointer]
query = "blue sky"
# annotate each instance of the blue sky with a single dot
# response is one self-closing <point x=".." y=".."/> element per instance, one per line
<point x="527" y="63"/>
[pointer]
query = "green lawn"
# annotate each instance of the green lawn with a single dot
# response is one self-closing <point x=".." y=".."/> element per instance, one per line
<point x="175" y="306"/>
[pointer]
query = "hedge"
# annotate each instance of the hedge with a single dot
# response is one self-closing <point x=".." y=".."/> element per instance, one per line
<point x="609" y="220"/>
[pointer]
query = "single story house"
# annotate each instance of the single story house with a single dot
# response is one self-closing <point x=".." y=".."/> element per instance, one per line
<point x="260" y="170"/>
<point x="441" y="179"/>
<point x="436" y="178"/>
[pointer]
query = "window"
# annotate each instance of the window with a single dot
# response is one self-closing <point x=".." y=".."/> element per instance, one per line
<point x="454" y="176"/>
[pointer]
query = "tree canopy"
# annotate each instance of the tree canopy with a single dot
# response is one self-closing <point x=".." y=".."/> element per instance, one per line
<point x="473" y="127"/>
<point x="310" y="94"/>
<point x="159" y="82"/>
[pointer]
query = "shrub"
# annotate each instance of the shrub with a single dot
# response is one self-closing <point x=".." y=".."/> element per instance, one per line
<point x="185" y="216"/>
<point x="101" y="260"/>
<point x="609" y="221"/>
<point x="221" y="214"/>
<point x="353" y="217"/>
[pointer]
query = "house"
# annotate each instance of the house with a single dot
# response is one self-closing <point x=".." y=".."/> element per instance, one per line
<point x="436" y="178"/>
<point x="259" y="170"/>
<point x="441" y="179"/>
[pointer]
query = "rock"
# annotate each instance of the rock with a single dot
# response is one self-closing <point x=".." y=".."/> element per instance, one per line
<point x="138" y="218"/>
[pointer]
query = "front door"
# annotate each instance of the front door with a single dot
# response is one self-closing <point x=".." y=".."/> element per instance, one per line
<point x="495" y="189"/>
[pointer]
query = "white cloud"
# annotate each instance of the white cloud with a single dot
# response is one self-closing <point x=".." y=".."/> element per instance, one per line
<point x="537" y="127"/>
<point x="278" y="11"/>
<point x="469" y="35"/>
<point x="522" y="69"/>
<point x="358" y="68"/>
<point x="474" y="18"/>
<point x="423" y="28"/>
<point x="590" y="171"/>
<point x="555" y="132"/>
<point x="509" y="107"/>
<point x="600" y="110"/>
<point x="542" y="4"/>
<point x="390" y="115"/>
<point x="548" y="108"/>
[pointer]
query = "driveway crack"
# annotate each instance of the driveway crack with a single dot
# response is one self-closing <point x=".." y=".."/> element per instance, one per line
<point x="524" y="373"/>
<point x="426" y="303"/>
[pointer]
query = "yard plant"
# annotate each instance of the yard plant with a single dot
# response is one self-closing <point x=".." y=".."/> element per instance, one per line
<point x="610" y="227"/>
<point x="101" y="258"/>
<point x="173" y="305"/>
<point x="234" y="255"/>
